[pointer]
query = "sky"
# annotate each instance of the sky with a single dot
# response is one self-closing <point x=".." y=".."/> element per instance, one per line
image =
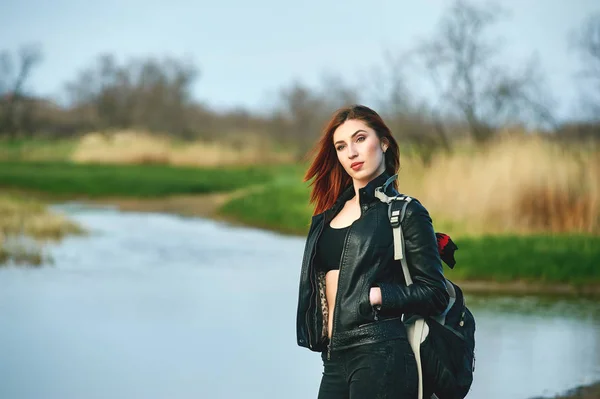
<point x="247" y="51"/>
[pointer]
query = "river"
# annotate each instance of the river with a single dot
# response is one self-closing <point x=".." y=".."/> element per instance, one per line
<point x="159" y="306"/>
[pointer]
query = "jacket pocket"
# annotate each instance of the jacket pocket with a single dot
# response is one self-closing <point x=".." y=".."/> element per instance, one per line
<point x="366" y="313"/>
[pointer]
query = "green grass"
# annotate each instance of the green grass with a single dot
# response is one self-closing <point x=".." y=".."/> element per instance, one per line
<point x="36" y="149"/>
<point x="279" y="201"/>
<point x="542" y="258"/>
<point x="93" y="180"/>
<point x="281" y="207"/>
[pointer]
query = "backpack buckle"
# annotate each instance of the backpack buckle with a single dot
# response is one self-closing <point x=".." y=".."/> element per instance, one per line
<point x="394" y="211"/>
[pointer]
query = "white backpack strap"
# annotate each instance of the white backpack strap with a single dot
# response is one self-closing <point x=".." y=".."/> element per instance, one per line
<point x="396" y="216"/>
<point x="417" y="330"/>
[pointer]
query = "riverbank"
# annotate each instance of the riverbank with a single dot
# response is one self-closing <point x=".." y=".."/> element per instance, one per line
<point x="68" y="180"/>
<point x="25" y="225"/>
<point x="277" y="200"/>
<point x="584" y="392"/>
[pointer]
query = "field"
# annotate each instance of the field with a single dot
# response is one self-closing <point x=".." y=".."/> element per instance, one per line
<point x="522" y="209"/>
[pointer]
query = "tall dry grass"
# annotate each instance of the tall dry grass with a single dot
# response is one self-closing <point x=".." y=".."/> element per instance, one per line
<point x="133" y="147"/>
<point x="516" y="184"/>
<point x="27" y="217"/>
<point x="24" y="225"/>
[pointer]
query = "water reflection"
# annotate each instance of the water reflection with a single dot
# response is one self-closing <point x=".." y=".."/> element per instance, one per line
<point x="529" y="346"/>
<point x="159" y="306"/>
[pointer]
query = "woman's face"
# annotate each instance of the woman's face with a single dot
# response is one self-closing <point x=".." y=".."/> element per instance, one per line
<point x="359" y="150"/>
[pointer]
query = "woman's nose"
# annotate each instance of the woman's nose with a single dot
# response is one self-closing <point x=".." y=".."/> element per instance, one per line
<point x="352" y="153"/>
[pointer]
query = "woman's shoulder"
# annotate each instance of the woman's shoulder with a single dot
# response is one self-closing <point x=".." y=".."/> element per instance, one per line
<point x="414" y="206"/>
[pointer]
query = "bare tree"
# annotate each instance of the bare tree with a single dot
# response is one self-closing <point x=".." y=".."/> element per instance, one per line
<point x="147" y="93"/>
<point x="408" y="116"/>
<point x="14" y="107"/>
<point x="388" y="85"/>
<point x="304" y="112"/>
<point x="336" y="92"/>
<point x="586" y="42"/>
<point x="464" y="65"/>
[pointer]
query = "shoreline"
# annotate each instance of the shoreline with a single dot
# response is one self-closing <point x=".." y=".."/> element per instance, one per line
<point x="591" y="391"/>
<point x="527" y="288"/>
<point x="207" y="206"/>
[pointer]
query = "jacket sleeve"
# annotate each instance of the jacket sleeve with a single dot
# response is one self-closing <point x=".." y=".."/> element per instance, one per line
<point x="427" y="296"/>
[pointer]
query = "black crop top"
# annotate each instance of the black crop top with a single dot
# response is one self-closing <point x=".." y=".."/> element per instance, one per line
<point x="329" y="248"/>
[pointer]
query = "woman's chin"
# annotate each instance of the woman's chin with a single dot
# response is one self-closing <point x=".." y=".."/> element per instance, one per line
<point x="361" y="174"/>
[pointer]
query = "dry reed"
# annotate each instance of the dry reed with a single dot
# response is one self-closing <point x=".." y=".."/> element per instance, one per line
<point x="516" y="184"/>
<point x="24" y="226"/>
<point x="30" y="218"/>
<point x="131" y="147"/>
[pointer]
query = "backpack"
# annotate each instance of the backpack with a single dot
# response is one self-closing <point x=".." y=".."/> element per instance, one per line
<point x="444" y="346"/>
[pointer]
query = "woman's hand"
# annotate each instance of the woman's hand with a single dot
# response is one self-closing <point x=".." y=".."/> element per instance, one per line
<point x="375" y="296"/>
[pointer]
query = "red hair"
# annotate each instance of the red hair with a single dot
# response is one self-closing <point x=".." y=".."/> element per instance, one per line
<point x="330" y="178"/>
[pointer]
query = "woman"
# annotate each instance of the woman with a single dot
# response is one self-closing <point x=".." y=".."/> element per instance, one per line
<point x="352" y="293"/>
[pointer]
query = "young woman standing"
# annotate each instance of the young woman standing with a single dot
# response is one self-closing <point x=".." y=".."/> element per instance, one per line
<point x="352" y="294"/>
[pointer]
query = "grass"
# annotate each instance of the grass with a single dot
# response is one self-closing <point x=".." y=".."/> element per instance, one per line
<point x="136" y="147"/>
<point x="287" y="210"/>
<point x="519" y="184"/>
<point x="516" y="185"/>
<point x="513" y="185"/>
<point x="139" y="147"/>
<point x="25" y="225"/>
<point x="26" y="216"/>
<point x="520" y="209"/>
<point x="549" y="259"/>
<point x="92" y="180"/>
<point x="36" y="149"/>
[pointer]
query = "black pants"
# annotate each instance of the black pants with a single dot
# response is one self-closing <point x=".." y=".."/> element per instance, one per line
<point x="385" y="369"/>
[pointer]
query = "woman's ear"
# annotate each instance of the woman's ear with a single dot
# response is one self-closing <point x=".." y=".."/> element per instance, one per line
<point x="384" y="144"/>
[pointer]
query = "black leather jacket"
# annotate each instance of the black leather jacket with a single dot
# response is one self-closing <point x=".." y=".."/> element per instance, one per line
<point x="367" y="260"/>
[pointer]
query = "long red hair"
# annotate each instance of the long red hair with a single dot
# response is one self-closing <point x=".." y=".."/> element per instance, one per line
<point x="330" y="178"/>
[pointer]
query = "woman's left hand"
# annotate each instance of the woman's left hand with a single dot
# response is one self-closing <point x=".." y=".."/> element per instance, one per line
<point x="375" y="296"/>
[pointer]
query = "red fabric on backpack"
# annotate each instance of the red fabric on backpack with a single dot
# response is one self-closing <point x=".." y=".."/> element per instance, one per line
<point x="446" y="248"/>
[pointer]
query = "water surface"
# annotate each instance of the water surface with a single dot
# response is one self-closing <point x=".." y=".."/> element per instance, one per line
<point x="160" y="306"/>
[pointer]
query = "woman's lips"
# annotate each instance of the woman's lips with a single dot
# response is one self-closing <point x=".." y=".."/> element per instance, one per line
<point x="357" y="166"/>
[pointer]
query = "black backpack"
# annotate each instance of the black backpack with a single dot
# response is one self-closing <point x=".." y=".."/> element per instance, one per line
<point x="444" y="346"/>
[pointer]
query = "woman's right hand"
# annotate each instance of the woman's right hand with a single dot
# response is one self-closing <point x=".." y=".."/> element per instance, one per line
<point x="375" y="296"/>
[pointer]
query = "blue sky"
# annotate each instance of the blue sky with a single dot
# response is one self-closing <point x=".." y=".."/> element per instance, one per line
<point x="247" y="51"/>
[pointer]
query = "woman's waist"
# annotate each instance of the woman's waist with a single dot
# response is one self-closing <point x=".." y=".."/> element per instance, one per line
<point x="380" y="330"/>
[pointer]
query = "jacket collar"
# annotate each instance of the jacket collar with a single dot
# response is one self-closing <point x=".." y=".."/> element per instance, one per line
<point x="366" y="194"/>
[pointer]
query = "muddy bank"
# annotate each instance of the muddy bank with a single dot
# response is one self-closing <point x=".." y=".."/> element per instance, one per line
<point x="527" y="288"/>
<point x="583" y="392"/>
<point x="206" y="205"/>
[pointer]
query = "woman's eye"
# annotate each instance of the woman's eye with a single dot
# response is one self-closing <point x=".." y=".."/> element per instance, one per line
<point x="340" y="147"/>
<point x="361" y="138"/>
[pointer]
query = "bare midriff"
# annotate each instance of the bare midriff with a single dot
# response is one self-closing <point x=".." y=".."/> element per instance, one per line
<point x="331" y="282"/>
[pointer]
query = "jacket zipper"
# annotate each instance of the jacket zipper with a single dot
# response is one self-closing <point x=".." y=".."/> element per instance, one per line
<point x="338" y="283"/>
<point x="336" y="292"/>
